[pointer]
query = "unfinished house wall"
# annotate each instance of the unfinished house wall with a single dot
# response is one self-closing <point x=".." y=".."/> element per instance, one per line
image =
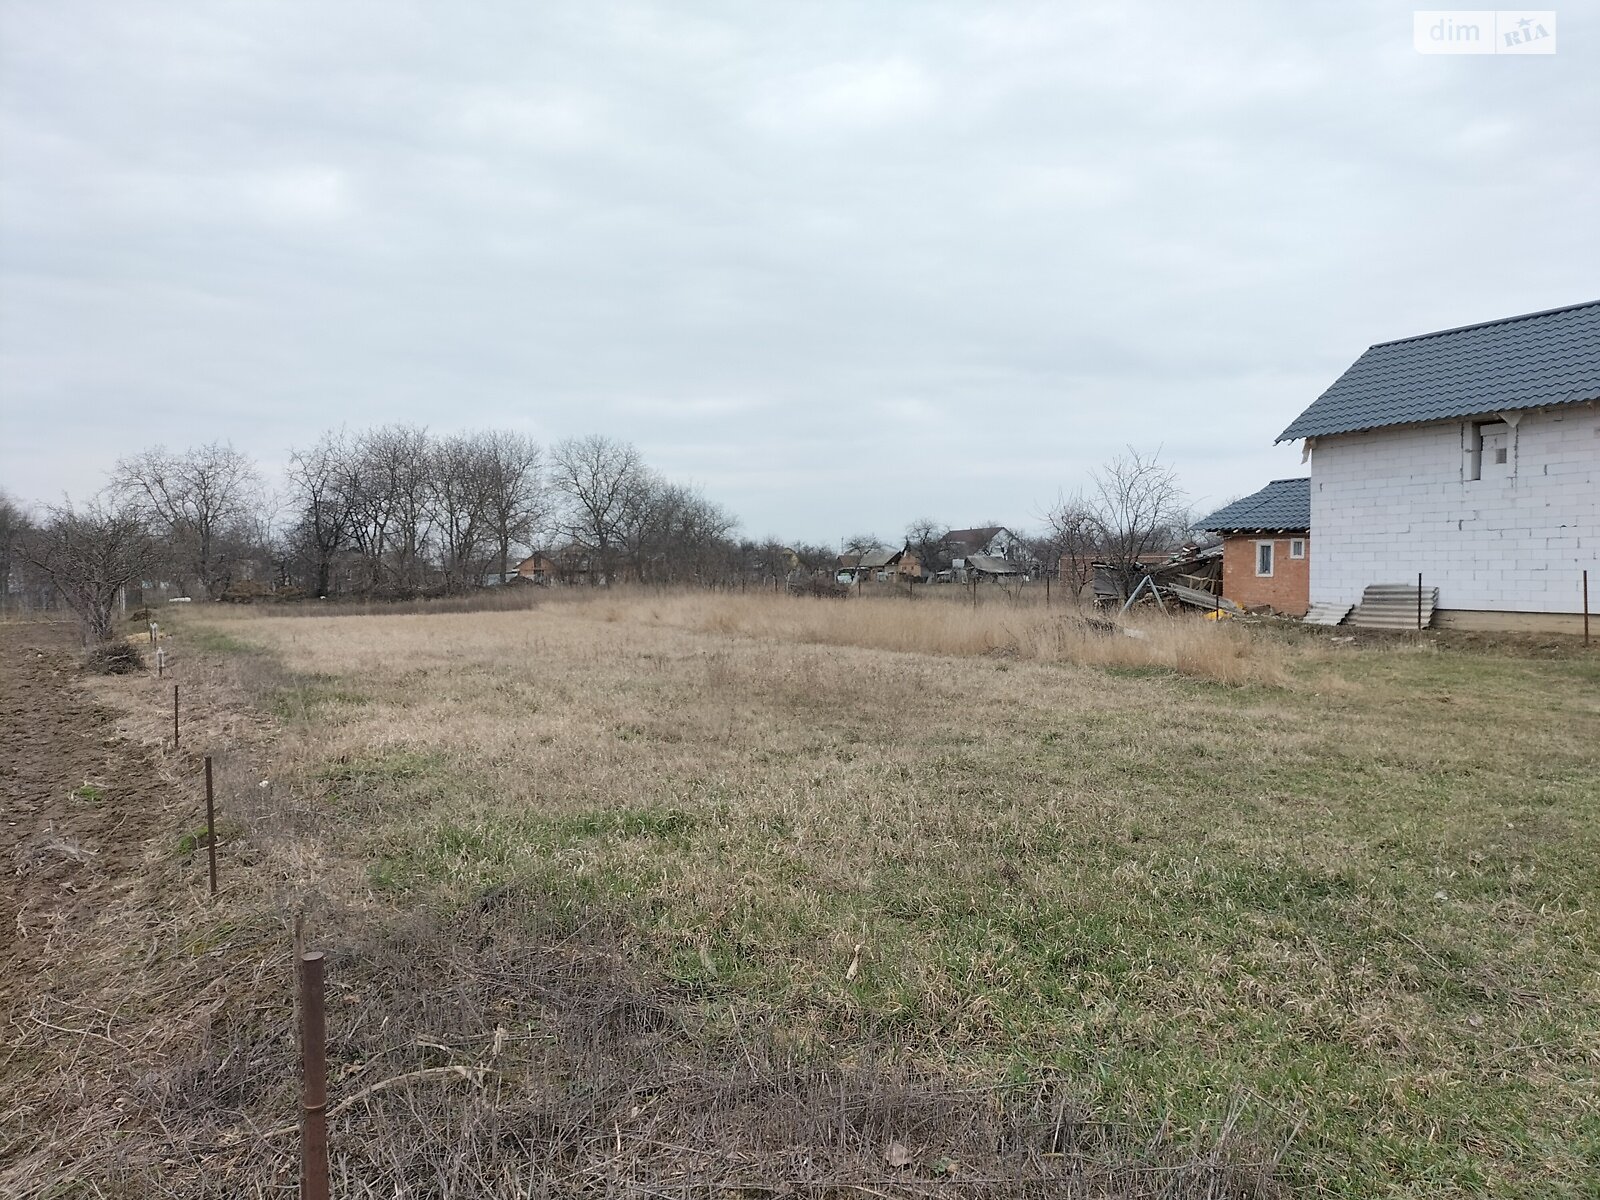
<point x="1500" y="517"/>
<point x="1287" y="589"/>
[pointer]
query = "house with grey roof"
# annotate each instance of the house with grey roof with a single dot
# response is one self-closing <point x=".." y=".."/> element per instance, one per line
<point x="1470" y="456"/>
<point x="970" y="552"/>
<point x="1266" y="546"/>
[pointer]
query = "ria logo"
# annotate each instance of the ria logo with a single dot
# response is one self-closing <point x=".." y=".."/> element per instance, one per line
<point x="1527" y="32"/>
<point x="1484" y="31"/>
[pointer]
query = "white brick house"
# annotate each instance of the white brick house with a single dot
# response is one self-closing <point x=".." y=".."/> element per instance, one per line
<point x="1471" y="456"/>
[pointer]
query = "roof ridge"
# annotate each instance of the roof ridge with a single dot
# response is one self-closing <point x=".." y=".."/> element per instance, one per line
<point x="1290" y="479"/>
<point x="1543" y="312"/>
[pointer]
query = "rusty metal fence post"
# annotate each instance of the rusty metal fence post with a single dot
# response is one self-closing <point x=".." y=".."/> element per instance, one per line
<point x="1419" y="601"/>
<point x="211" y="829"/>
<point x="1586" y="608"/>
<point x="174" y="716"/>
<point x="313" y="1081"/>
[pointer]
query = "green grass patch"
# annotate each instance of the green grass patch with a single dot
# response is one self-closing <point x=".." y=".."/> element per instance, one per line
<point x="212" y="640"/>
<point x="314" y="698"/>
<point x="386" y="770"/>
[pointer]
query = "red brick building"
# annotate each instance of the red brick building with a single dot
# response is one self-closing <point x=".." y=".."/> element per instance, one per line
<point x="1266" y="548"/>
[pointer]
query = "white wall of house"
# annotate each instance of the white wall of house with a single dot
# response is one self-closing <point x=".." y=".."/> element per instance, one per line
<point x="1389" y="503"/>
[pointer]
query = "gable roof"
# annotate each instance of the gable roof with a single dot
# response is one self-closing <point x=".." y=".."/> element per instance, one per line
<point x="1541" y="358"/>
<point x="975" y="537"/>
<point x="873" y="559"/>
<point x="1282" y="504"/>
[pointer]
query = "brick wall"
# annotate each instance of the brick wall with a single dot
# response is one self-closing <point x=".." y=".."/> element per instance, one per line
<point x="1392" y="502"/>
<point x="1287" y="589"/>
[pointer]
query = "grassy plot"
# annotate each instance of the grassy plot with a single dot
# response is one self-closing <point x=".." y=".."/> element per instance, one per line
<point x="1350" y="891"/>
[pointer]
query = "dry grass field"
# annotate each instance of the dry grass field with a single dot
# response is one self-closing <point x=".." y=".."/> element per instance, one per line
<point x="1270" y="914"/>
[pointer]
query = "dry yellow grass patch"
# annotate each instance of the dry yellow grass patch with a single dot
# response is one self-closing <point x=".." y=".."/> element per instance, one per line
<point x="941" y="622"/>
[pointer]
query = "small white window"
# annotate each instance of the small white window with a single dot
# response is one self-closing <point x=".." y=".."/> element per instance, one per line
<point x="1297" y="547"/>
<point x="1264" y="558"/>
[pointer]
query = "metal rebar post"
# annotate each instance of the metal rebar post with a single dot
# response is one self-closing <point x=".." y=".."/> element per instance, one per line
<point x="313" y="1081"/>
<point x="211" y="828"/>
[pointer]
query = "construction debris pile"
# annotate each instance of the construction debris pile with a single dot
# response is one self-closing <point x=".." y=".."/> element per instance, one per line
<point x="1190" y="577"/>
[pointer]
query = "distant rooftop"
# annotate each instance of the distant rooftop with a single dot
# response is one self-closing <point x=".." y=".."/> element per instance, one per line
<point x="980" y="536"/>
<point x="1530" y="361"/>
<point x="881" y="557"/>
<point x="1282" y="504"/>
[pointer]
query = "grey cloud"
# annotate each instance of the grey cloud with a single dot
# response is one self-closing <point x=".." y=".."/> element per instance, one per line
<point x="841" y="264"/>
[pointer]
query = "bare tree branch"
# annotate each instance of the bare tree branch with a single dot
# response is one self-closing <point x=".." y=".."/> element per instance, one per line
<point x="90" y="554"/>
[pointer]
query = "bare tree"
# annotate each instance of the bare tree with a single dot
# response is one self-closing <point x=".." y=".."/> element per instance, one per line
<point x="925" y="540"/>
<point x="386" y="480"/>
<point x="516" y="496"/>
<point x="325" y="508"/>
<point x="815" y="557"/>
<point x="197" y="498"/>
<point x="770" y="557"/>
<point x="601" y="481"/>
<point x="403" y="455"/>
<point x="461" y="476"/>
<point x="862" y="543"/>
<point x="1132" y="509"/>
<point x="90" y="554"/>
<point x="681" y="536"/>
<point x="13" y="524"/>
<point x="1072" y="539"/>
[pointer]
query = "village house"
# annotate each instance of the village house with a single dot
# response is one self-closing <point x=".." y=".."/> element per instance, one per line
<point x="881" y="565"/>
<point x="965" y="547"/>
<point x="1470" y="456"/>
<point x="991" y="567"/>
<point x="538" y="567"/>
<point x="1266" y="547"/>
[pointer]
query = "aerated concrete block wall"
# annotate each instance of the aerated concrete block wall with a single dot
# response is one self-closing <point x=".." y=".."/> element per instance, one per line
<point x="1392" y="502"/>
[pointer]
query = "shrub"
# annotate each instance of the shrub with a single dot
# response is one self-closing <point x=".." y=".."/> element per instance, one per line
<point x="114" y="658"/>
<point x="245" y="591"/>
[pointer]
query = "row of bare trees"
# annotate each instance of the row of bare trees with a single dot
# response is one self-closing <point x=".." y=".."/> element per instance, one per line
<point x="393" y="511"/>
<point x="397" y="511"/>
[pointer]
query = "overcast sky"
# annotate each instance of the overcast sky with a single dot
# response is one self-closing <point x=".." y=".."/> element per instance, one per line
<point x="841" y="264"/>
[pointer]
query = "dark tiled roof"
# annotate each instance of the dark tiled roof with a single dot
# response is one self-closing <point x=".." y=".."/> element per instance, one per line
<point x="981" y="536"/>
<point x="1541" y="358"/>
<point x="1282" y="504"/>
